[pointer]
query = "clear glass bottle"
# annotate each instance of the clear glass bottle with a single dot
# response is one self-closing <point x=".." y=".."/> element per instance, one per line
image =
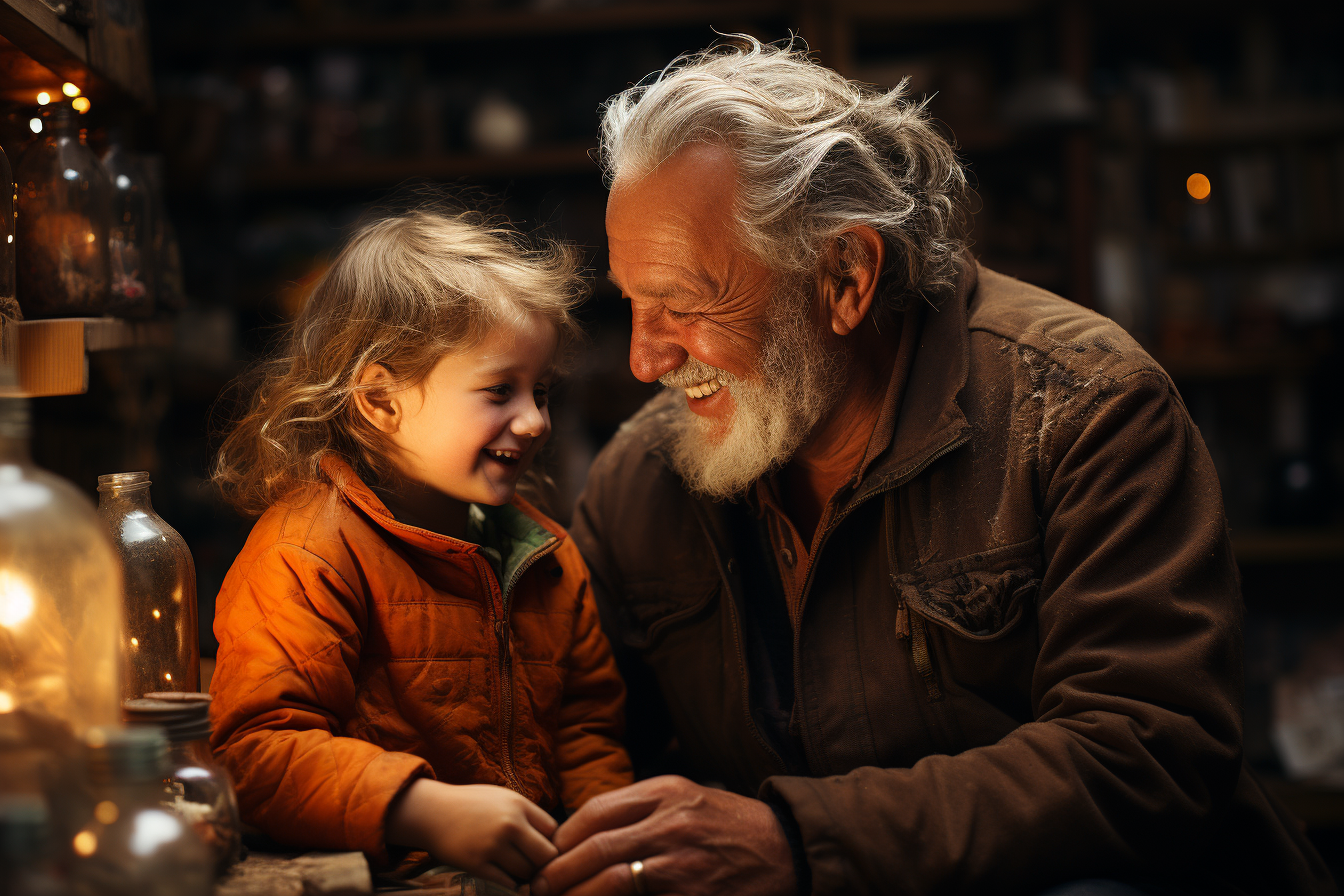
<point x="160" y="639"/>
<point x="131" y="846"/>
<point x="27" y="858"/>
<point x="130" y="239"/>
<point x="9" y="307"/>
<point x="60" y="593"/>
<point x="64" y="207"/>
<point x="199" y="789"/>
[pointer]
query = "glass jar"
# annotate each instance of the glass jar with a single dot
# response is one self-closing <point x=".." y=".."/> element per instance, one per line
<point x="60" y="594"/>
<point x="131" y="846"/>
<point x="160" y="639"/>
<point x="170" y="291"/>
<point x="9" y="307"/>
<point x="130" y="238"/>
<point x="64" y="207"/>
<point x="199" y="789"/>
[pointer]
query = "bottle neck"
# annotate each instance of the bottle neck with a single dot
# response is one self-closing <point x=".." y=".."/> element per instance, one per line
<point x="14" y="431"/>
<point x="130" y="490"/>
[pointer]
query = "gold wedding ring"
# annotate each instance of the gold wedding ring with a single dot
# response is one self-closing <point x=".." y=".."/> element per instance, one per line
<point x="637" y="875"/>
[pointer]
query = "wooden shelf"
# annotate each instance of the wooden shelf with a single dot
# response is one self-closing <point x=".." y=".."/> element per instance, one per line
<point x="109" y="60"/>
<point x="576" y="158"/>
<point x="51" y="355"/>
<point x="1289" y="545"/>
<point x="430" y="28"/>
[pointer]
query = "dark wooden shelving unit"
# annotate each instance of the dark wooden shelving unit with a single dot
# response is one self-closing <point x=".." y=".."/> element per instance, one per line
<point x="576" y="158"/>
<point x="108" y="60"/>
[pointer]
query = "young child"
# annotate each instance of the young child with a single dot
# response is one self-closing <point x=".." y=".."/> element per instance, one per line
<point x="409" y="653"/>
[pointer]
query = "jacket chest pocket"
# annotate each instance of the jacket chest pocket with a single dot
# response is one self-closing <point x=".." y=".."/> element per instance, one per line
<point x="970" y="623"/>
<point x="651" y="610"/>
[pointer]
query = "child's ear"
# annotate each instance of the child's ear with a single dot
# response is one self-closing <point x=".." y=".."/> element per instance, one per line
<point x="378" y="400"/>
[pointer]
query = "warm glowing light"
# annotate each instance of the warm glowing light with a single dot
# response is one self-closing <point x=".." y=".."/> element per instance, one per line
<point x="6" y="701"/>
<point x="35" y="125"/>
<point x="86" y="843"/>
<point x="96" y="738"/>
<point x="167" y="676"/>
<point x="135" y="642"/>
<point x="69" y="89"/>
<point x="43" y="98"/>
<point x="16" y="599"/>
<point x="153" y="828"/>
<point x="106" y="812"/>
<point x="1198" y="186"/>
<point x="156" y="614"/>
<point x="81" y="104"/>
<point x="90" y="237"/>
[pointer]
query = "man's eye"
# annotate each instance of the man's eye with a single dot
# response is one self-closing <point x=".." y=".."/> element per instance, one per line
<point x="680" y="315"/>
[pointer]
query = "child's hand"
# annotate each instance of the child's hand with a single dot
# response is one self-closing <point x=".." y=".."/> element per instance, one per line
<point x="488" y="831"/>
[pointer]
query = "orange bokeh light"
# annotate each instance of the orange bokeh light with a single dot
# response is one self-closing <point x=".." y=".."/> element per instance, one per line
<point x="1198" y="186"/>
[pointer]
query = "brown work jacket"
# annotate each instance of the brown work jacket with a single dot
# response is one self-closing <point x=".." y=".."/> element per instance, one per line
<point x="358" y="653"/>
<point x="1018" y="655"/>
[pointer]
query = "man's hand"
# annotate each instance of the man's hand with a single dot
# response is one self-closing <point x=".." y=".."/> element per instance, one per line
<point x="489" y="831"/>
<point x="692" y="840"/>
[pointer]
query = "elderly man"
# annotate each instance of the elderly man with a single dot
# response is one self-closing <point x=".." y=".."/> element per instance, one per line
<point x="925" y="569"/>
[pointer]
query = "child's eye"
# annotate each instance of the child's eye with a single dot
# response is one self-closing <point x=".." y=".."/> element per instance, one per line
<point x="503" y="390"/>
<point x="541" y="395"/>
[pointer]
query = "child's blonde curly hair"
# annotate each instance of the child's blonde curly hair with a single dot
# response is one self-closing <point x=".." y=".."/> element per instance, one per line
<point x="404" y="291"/>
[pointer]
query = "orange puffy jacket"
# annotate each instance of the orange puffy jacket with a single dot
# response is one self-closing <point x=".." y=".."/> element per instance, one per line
<point x="357" y="653"/>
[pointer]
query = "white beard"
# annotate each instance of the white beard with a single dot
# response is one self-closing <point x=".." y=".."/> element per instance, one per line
<point x="798" y="380"/>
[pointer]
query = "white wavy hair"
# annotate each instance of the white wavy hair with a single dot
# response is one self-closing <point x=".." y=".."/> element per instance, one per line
<point x="815" y="155"/>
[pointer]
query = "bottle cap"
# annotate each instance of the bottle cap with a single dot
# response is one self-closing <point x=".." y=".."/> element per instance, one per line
<point x="184" y="716"/>
<point x="25" y="828"/>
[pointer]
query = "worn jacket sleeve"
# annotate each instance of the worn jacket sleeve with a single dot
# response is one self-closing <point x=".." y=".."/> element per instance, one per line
<point x="1135" y="743"/>
<point x="289" y="630"/>
<point x="589" y="751"/>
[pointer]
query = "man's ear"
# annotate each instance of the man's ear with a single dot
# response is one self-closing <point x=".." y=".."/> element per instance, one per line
<point x="378" y="400"/>
<point x="850" y="270"/>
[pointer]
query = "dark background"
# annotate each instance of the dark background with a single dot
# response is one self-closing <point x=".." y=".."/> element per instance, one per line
<point x="282" y="120"/>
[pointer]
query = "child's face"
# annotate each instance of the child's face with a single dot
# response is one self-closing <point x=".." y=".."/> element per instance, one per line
<point x="480" y="417"/>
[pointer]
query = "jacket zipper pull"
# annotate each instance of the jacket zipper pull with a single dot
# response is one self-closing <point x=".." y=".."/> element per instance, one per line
<point x="502" y="636"/>
<point x="902" y="621"/>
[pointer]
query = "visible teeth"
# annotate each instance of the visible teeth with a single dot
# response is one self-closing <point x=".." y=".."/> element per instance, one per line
<point x="512" y="455"/>
<point x="703" y="389"/>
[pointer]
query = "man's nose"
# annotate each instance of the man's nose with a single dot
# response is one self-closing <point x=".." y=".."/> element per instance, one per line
<point x="652" y="350"/>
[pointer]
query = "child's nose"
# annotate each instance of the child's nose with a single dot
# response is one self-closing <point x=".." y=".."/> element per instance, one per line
<point x="531" y="422"/>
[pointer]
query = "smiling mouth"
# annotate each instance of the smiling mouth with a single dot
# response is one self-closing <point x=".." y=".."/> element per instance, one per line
<point x="504" y="455"/>
<point x="705" y="389"/>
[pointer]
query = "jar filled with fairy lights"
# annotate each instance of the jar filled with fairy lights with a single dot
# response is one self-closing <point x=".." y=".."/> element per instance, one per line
<point x="196" y="787"/>
<point x="64" y="212"/>
<point x="130" y="239"/>
<point x="159" y="633"/>
<point x="60" y="616"/>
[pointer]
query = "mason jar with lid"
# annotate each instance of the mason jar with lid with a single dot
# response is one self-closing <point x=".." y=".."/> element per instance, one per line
<point x="197" y="788"/>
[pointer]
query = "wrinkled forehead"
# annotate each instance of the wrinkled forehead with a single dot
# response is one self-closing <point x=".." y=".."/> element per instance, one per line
<point x="695" y="187"/>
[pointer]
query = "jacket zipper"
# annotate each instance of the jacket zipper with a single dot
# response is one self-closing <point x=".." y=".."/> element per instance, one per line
<point x="740" y="651"/>
<point x="956" y="442"/>
<point x="506" y="660"/>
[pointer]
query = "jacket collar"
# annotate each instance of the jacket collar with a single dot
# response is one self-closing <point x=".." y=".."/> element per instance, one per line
<point x="922" y="418"/>
<point x="511" y="523"/>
